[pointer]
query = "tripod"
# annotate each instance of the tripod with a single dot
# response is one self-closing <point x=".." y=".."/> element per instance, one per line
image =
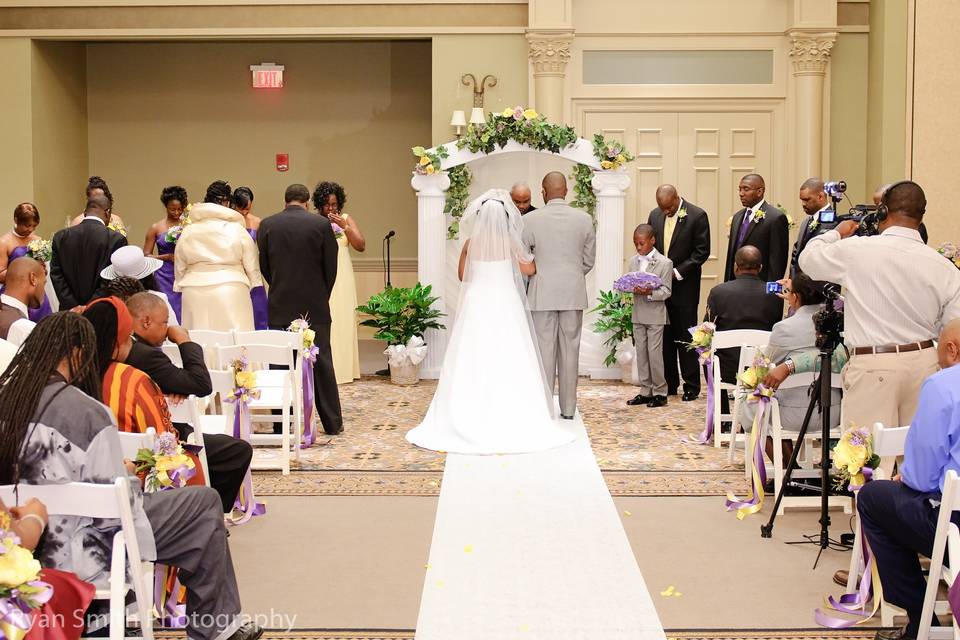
<point x="822" y="397"/>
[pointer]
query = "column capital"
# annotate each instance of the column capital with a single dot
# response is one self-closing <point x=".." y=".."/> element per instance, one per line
<point x="431" y="185"/>
<point x="549" y="51"/>
<point x="610" y="183"/>
<point x="811" y="51"/>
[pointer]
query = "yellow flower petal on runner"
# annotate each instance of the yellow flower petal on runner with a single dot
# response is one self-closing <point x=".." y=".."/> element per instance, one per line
<point x="668" y="592"/>
<point x="468" y="548"/>
<point x="627" y="513"/>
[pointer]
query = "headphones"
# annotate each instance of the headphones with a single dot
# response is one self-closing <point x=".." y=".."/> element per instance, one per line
<point x="882" y="209"/>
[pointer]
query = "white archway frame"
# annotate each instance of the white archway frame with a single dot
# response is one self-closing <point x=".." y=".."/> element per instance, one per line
<point x="610" y="188"/>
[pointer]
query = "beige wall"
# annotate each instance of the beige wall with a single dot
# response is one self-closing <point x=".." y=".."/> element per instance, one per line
<point x="936" y="121"/>
<point x="504" y="56"/>
<point x="59" y="85"/>
<point x="848" y="104"/>
<point x="16" y="161"/>
<point x="886" y="115"/>
<point x="185" y="113"/>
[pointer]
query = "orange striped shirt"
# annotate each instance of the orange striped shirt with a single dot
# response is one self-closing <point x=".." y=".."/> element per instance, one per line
<point x="135" y="400"/>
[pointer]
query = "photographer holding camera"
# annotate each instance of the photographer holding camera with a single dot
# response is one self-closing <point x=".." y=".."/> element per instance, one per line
<point x="898" y="295"/>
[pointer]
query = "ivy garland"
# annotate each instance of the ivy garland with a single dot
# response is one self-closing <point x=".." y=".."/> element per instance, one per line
<point x="524" y="126"/>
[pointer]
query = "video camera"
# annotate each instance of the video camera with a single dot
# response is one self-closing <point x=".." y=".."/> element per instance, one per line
<point x="865" y="215"/>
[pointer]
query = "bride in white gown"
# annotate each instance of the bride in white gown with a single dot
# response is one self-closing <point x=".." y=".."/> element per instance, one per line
<point x="492" y="395"/>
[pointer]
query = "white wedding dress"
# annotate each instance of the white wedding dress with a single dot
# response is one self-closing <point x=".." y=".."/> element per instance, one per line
<point x="492" y="396"/>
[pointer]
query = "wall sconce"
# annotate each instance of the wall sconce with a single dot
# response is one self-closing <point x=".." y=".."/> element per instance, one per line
<point x="488" y="82"/>
<point x="477" y="117"/>
<point x="458" y="120"/>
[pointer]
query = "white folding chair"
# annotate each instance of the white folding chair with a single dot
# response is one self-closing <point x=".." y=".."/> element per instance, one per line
<point x="102" y="501"/>
<point x="946" y="540"/>
<point x="722" y="340"/>
<point x="805" y="458"/>
<point x="889" y="443"/>
<point x="277" y="377"/>
<point x="188" y="412"/>
<point x="131" y="443"/>
<point x="271" y="398"/>
<point x="172" y="351"/>
<point x="738" y="432"/>
<point x="211" y="341"/>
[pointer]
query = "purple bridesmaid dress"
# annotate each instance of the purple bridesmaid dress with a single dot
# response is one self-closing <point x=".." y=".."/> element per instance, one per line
<point x="258" y="296"/>
<point x="164" y="275"/>
<point x="36" y="315"/>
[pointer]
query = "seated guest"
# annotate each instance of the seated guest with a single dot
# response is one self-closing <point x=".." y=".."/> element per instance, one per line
<point x="795" y="337"/>
<point x="899" y="516"/>
<point x="54" y="431"/>
<point x="129" y="262"/>
<point x="26" y="279"/>
<point x="122" y="287"/>
<point x="227" y="457"/>
<point x="135" y="400"/>
<point x="742" y="303"/>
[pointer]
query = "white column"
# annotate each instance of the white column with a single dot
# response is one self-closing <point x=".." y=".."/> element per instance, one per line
<point x="432" y="259"/>
<point x="611" y="188"/>
<point x="549" y="53"/>
<point x="810" y="53"/>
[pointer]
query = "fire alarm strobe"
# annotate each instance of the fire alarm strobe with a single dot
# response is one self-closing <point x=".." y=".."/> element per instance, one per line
<point x="283" y="162"/>
<point x="267" y="75"/>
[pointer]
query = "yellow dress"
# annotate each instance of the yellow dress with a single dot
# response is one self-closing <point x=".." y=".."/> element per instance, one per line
<point x="343" y="314"/>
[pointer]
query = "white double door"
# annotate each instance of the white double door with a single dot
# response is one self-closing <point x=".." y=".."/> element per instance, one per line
<point x="704" y="154"/>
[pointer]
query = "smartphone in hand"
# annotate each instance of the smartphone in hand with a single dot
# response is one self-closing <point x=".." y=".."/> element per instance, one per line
<point x="774" y="287"/>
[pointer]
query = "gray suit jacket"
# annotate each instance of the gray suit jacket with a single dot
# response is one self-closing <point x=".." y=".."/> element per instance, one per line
<point x="564" y="245"/>
<point x="651" y="309"/>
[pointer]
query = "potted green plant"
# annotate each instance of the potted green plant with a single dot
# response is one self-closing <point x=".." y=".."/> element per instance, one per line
<point x="401" y="316"/>
<point x="615" y="311"/>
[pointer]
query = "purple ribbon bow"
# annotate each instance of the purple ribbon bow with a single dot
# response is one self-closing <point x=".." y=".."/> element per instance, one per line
<point x="309" y="357"/>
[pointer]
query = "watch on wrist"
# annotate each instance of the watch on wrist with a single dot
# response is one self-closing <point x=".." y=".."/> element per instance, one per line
<point x="791" y="367"/>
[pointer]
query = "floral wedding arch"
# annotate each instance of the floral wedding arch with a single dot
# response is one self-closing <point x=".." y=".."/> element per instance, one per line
<point x="442" y="181"/>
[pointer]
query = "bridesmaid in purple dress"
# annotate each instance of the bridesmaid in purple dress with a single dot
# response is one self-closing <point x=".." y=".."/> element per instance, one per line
<point x="14" y="244"/>
<point x="174" y="200"/>
<point x="242" y="202"/>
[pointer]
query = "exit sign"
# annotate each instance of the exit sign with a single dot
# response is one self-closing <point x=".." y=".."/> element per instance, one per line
<point x="267" y="75"/>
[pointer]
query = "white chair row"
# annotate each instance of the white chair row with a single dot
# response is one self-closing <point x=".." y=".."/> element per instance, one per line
<point x="749" y="340"/>
<point x="103" y="501"/>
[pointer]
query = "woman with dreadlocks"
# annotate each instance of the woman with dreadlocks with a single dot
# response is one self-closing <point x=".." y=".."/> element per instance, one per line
<point x="53" y="431"/>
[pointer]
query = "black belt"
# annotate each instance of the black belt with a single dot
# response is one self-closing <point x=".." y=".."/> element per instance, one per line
<point x="893" y="348"/>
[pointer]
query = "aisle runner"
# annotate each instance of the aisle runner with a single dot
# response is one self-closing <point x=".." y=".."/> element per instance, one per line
<point x="531" y="547"/>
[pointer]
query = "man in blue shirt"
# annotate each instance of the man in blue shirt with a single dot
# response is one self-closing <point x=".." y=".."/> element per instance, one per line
<point x="899" y="517"/>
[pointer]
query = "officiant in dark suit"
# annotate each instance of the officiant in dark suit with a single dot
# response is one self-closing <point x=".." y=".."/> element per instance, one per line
<point x="298" y="259"/>
<point x="761" y="225"/>
<point x="81" y="252"/>
<point x="683" y="235"/>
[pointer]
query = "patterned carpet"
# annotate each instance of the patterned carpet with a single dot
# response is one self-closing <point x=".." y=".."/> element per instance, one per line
<point x="682" y="634"/>
<point x="641" y="451"/>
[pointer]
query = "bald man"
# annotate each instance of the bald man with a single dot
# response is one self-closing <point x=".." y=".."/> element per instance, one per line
<point x="80" y="253"/>
<point x="683" y="235"/>
<point x="23" y="290"/>
<point x="761" y="225"/>
<point x="742" y="303"/>
<point x="521" y="196"/>
<point x="563" y="242"/>
<point x="878" y="196"/>
<point x="899" y="517"/>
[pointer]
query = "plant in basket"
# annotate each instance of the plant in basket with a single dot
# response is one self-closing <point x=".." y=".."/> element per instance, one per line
<point x="615" y="311"/>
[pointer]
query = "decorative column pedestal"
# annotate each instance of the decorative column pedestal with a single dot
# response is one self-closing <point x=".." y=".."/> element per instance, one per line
<point x="432" y="261"/>
<point x="810" y="53"/>
<point x="549" y="53"/>
<point x="611" y="188"/>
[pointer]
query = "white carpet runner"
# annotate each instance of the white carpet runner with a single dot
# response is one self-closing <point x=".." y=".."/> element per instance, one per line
<point x="531" y="547"/>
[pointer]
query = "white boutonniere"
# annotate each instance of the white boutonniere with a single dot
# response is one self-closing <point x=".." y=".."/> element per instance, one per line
<point x="681" y="214"/>
<point x="758" y="216"/>
<point x="814" y="223"/>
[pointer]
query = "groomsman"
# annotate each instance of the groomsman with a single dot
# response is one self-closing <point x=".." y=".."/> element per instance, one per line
<point x="820" y="218"/>
<point x="683" y="235"/>
<point x="761" y="225"/>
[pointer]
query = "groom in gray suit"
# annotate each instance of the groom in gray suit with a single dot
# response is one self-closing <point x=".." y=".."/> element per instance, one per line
<point x="563" y="242"/>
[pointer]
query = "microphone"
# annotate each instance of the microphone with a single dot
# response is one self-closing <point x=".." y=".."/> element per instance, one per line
<point x="390" y="235"/>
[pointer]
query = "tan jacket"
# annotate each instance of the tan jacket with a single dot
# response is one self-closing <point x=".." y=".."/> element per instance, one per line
<point x="215" y="248"/>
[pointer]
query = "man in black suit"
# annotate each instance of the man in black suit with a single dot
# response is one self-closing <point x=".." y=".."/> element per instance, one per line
<point x="683" y="235"/>
<point x="520" y="194"/>
<point x="742" y="303"/>
<point x="298" y="259"/>
<point x="761" y="225"/>
<point x="227" y="457"/>
<point x="81" y="252"/>
<point x="821" y="217"/>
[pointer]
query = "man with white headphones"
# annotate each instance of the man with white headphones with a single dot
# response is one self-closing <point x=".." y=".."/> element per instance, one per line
<point x="898" y="295"/>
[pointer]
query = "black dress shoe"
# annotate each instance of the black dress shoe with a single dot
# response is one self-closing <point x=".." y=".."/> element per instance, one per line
<point x="672" y="392"/>
<point x="639" y="399"/>
<point x="248" y="631"/>
<point x="657" y="401"/>
<point x="566" y="417"/>
<point x="894" y="634"/>
<point x="335" y="433"/>
<point x="689" y="396"/>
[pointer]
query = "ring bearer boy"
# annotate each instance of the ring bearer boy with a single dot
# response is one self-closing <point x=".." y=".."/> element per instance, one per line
<point x="649" y="318"/>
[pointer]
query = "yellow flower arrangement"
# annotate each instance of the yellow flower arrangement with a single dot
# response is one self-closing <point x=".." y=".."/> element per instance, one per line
<point x="530" y="114"/>
<point x="424" y="161"/>
<point x="246" y="379"/>
<point x="852" y="454"/>
<point x="17" y="565"/>
<point x="507" y="113"/>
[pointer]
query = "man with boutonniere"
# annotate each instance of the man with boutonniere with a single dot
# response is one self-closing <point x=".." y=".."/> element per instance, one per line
<point x="682" y="231"/>
<point x="761" y="225"/>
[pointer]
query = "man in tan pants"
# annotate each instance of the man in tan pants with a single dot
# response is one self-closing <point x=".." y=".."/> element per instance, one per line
<point x="898" y="294"/>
